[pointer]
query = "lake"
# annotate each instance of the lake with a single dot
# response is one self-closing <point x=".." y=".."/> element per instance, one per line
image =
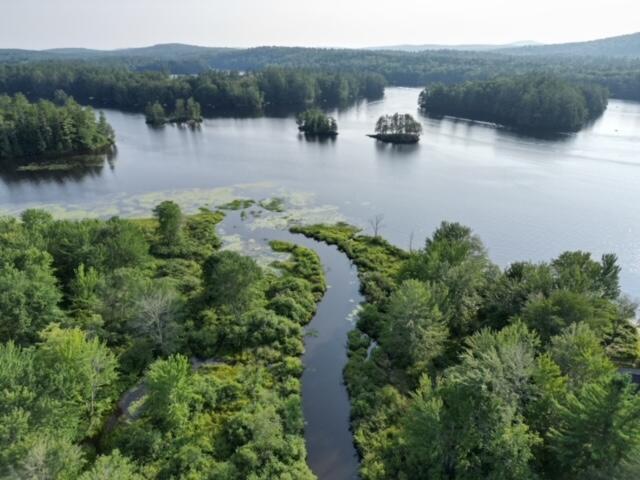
<point x="528" y="198"/>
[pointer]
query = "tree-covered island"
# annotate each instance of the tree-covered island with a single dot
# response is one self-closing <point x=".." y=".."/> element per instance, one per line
<point x="47" y="129"/>
<point x="538" y="102"/>
<point x="397" y="128"/>
<point x="317" y="123"/>
<point x="188" y="112"/>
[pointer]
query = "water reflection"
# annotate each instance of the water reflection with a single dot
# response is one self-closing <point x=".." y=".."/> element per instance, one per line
<point x="527" y="197"/>
<point x="57" y="171"/>
<point x="320" y="139"/>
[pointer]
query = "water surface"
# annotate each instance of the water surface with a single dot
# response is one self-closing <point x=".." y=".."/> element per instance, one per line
<point x="528" y="198"/>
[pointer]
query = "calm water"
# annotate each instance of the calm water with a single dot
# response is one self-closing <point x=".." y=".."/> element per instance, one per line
<point x="527" y="198"/>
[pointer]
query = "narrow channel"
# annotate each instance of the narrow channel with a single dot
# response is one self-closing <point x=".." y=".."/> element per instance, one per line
<point x="331" y="454"/>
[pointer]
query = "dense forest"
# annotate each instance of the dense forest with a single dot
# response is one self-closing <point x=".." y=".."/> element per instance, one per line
<point x="273" y="89"/>
<point x="50" y="129"/>
<point x="613" y="63"/>
<point x="201" y="346"/>
<point x="534" y="101"/>
<point x="460" y="370"/>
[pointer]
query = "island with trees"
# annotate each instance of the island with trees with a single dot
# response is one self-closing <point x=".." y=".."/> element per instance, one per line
<point x="184" y="112"/>
<point x="397" y="128"/>
<point x="46" y="129"/>
<point x="461" y="370"/>
<point x="538" y="102"/>
<point x="138" y="350"/>
<point x="315" y="122"/>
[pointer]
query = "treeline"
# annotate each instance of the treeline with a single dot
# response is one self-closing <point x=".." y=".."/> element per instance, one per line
<point x="96" y="314"/>
<point x="417" y="69"/>
<point x="621" y="76"/>
<point x="460" y="370"/>
<point x="216" y="92"/>
<point x="538" y="102"/>
<point x="50" y="129"/>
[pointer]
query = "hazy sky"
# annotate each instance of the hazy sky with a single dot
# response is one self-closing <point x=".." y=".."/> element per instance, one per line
<point x="349" y="23"/>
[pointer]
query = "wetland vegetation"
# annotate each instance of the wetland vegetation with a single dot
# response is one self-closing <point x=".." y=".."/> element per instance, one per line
<point x="458" y="369"/>
<point x="93" y="310"/>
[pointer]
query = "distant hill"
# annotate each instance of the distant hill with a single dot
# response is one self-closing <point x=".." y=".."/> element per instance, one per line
<point x="468" y="48"/>
<point x="163" y="52"/>
<point x="621" y="46"/>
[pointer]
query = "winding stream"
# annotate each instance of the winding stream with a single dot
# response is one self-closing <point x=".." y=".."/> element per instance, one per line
<point x="331" y="454"/>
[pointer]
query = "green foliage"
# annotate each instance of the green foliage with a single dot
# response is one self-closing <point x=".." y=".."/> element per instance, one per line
<point x="315" y="122"/>
<point x="455" y="259"/>
<point x="45" y="129"/>
<point x="598" y="433"/>
<point x="377" y="260"/>
<point x="398" y="124"/>
<point x="275" y="204"/>
<point x="416" y="330"/>
<point x="184" y="112"/>
<point x="436" y="393"/>
<point x="112" y="466"/>
<point x="211" y="342"/>
<point x="230" y="280"/>
<point x="534" y="101"/>
<point x="398" y="128"/>
<point x="188" y="96"/>
<point x="155" y="114"/>
<point x="237" y="204"/>
<point x="169" y="222"/>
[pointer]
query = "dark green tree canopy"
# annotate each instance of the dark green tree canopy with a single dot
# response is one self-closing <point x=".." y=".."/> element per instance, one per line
<point x="47" y="129"/>
<point x="534" y="101"/>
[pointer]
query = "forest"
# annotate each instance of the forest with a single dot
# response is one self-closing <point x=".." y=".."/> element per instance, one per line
<point x="530" y="102"/>
<point x="621" y="75"/>
<point x="460" y="370"/>
<point x="137" y="349"/>
<point x="48" y="129"/>
<point x="273" y="89"/>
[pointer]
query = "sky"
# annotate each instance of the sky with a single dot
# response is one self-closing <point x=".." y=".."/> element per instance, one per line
<point x="110" y="24"/>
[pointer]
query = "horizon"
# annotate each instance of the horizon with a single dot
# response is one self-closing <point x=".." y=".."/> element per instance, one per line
<point x="37" y="25"/>
<point x="514" y="43"/>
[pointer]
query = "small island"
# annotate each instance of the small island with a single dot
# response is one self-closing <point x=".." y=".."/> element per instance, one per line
<point x="398" y="128"/>
<point x="315" y="122"/>
<point x="47" y="129"/>
<point x="531" y="102"/>
<point x="188" y="112"/>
